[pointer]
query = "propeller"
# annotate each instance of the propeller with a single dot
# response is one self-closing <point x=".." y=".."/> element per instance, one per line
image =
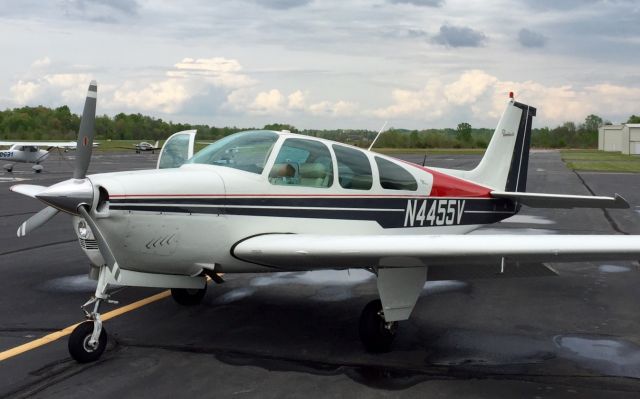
<point x="67" y="195"/>
<point x="74" y="196"/>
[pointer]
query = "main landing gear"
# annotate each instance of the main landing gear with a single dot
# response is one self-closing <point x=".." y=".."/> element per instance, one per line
<point x="187" y="296"/>
<point x="376" y="333"/>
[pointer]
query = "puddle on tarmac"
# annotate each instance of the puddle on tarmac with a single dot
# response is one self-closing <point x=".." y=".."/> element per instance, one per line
<point x="316" y="277"/>
<point x="77" y="283"/>
<point x="615" y="357"/>
<point x="528" y="219"/>
<point x="442" y="286"/>
<point x="613" y="269"/>
<point x="477" y="348"/>
<point x="234" y="295"/>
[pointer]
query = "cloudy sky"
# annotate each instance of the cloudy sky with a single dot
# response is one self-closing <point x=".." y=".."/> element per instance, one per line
<point x="325" y="64"/>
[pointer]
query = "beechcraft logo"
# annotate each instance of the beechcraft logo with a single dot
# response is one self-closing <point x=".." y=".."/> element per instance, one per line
<point x="505" y="132"/>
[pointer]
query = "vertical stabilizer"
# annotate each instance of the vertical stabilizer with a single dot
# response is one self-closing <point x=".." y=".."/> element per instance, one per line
<point x="505" y="163"/>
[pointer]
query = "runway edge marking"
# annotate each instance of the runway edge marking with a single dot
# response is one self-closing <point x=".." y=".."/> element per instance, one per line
<point x="9" y="353"/>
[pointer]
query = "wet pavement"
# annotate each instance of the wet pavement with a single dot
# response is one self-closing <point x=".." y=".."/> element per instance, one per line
<point x="295" y="334"/>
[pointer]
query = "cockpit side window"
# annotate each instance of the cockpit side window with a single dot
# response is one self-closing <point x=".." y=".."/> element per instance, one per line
<point x="302" y="162"/>
<point x="395" y="177"/>
<point x="354" y="169"/>
<point x="246" y="151"/>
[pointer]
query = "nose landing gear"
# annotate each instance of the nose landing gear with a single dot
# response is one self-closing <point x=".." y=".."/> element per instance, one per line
<point x="88" y="340"/>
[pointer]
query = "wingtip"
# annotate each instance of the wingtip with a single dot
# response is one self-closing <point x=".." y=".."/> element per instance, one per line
<point x="621" y="202"/>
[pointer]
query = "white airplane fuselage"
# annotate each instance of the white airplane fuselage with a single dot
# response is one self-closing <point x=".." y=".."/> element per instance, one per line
<point x="24" y="154"/>
<point x="184" y="220"/>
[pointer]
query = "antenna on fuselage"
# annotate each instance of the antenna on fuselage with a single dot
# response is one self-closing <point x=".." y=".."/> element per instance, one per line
<point x="377" y="135"/>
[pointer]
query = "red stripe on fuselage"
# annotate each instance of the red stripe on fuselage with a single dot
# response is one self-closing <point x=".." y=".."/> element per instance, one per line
<point x="445" y="185"/>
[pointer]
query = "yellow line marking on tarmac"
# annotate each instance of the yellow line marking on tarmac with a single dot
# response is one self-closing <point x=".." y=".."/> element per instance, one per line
<point x="9" y="353"/>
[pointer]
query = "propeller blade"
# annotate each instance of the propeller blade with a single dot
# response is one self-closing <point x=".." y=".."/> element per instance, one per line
<point x="36" y="221"/>
<point x="30" y="190"/>
<point x="86" y="133"/>
<point x="103" y="245"/>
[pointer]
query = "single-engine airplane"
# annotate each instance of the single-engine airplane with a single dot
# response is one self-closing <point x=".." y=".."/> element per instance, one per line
<point x="267" y="201"/>
<point x="143" y="146"/>
<point x="30" y="152"/>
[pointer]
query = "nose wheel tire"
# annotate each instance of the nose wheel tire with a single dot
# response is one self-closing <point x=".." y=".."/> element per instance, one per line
<point x="188" y="297"/>
<point x="79" y="347"/>
<point x="376" y="333"/>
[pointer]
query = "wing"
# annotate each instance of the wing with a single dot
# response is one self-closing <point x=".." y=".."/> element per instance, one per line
<point x="57" y="144"/>
<point x="306" y="251"/>
<point x="542" y="200"/>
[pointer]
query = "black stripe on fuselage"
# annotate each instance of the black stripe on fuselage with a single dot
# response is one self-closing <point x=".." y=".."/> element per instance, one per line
<point x="387" y="212"/>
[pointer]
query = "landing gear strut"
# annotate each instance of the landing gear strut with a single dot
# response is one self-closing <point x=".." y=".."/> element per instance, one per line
<point x="188" y="297"/>
<point x="88" y="340"/>
<point x="376" y="333"/>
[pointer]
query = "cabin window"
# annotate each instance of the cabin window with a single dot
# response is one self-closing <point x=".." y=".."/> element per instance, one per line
<point x="246" y="151"/>
<point x="354" y="169"/>
<point x="302" y="162"/>
<point x="395" y="177"/>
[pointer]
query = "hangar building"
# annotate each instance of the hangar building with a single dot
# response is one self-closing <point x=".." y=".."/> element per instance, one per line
<point x="624" y="138"/>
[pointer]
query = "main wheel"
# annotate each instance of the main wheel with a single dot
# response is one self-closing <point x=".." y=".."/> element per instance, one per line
<point x="188" y="297"/>
<point x="376" y="334"/>
<point x="79" y="347"/>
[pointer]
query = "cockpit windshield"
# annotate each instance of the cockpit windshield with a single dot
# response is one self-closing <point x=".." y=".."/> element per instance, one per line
<point x="246" y="151"/>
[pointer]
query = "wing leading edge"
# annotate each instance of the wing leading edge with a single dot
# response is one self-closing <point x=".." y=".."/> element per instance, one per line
<point x="306" y="251"/>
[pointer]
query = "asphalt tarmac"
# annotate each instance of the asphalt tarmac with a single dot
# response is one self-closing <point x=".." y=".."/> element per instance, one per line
<point x="295" y="334"/>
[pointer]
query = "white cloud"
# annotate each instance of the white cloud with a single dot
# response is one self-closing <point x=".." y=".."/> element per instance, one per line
<point x="484" y="97"/>
<point x="219" y="71"/>
<point x="41" y="63"/>
<point x="24" y="92"/>
<point x="296" y="100"/>
<point x="469" y="87"/>
<point x="168" y="96"/>
<point x="339" y="108"/>
<point x="424" y="103"/>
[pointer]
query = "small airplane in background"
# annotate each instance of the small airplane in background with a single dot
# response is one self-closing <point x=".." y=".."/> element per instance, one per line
<point x="267" y="201"/>
<point x="31" y="152"/>
<point x="144" y="146"/>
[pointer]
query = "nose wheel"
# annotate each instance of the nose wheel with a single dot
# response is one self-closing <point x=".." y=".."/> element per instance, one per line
<point x="82" y="347"/>
<point x="376" y="333"/>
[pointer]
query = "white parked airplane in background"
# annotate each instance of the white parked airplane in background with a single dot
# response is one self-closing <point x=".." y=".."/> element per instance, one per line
<point x="31" y="152"/>
<point x="266" y="201"/>
<point x="143" y="146"/>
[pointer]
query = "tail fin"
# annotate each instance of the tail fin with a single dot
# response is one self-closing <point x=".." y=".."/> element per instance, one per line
<point x="505" y="163"/>
<point x="156" y="144"/>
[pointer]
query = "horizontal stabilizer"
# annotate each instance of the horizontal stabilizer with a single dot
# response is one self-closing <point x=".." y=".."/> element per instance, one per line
<point x="541" y="200"/>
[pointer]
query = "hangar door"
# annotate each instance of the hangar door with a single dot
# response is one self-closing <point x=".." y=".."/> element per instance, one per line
<point x="612" y="139"/>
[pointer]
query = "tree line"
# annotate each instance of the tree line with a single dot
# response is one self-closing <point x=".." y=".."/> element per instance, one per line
<point x="42" y="123"/>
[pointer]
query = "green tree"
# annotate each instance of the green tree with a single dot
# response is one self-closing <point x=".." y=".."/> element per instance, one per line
<point x="463" y="132"/>
<point x="592" y="123"/>
<point x="634" y="119"/>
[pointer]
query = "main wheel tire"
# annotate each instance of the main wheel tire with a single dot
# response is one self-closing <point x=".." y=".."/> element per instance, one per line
<point x="188" y="297"/>
<point x="375" y="334"/>
<point x="79" y="348"/>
